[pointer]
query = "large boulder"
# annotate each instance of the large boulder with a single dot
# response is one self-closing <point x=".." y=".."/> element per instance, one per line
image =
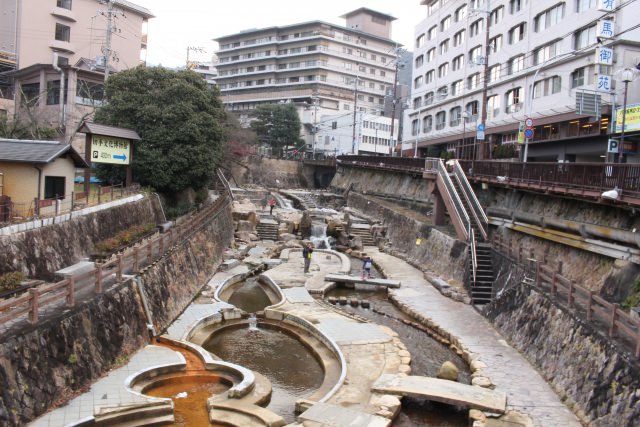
<point x="448" y="371"/>
<point x="305" y="226"/>
<point x="244" y="225"/>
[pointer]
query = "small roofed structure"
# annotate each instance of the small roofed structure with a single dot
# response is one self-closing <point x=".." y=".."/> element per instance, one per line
<point x="37" y="170"/>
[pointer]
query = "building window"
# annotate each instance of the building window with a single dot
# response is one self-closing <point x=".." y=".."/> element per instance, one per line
<point x="429" y="76"/>
<point x="443" y="70"/>
<point x="473" y="81"/>
<point x="431" y="34"/>
<point x="472" y="108"/>
<point x="428" y="98"/>
<point x="580" y="77"/>
<point x="415" y="125"/>
<point x="65" y="4"/>
<point x="456" y="88"/>
<point x="441" y="120"/>
<point x="515" y="6"/>
<point x="431" y="54"/>
<point x="445" y="24"/>
<point x="475" y="28"/>
<point x="493" y="106"/>
<point x="30" y="92"/>
<point x="458" y="62"/>
<point x="549" y="17"/>
<point x="458" y="38"/>
<point x="474" y="54"/>
<point x="584" y="37"/>
<point x="420" y="41"/>
<point x="545" y="53"/>
<point x="417" y="82"/>
<point x="517" y="33"/>
<point x="455" y="116"/>
<point x="427" y="124"/>
<point x="496" y="43"/>
<point x="63" y="33"/>
<point x="54" y="187"/>
<point x="546" y="87"/>
<point x="419" y="61"/>
<point x="461" y="13"/>
<point x="444" y="47"/>
<point x="583" y="5"/>
<point x="417" y="103"/>
<point x="516" y="64"/>
<point x="494" y="73"/>
<point x="53" y="92"/>
<point x="513" y="100"/>
<point x="442" y="92"/>
<point x="496" y="15"/>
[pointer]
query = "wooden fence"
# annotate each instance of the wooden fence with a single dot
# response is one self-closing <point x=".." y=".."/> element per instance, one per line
<point x="132" y="259"/>
<point x="605" y="315"/>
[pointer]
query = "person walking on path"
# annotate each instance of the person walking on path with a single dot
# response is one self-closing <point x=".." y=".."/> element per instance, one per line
<point x="265" y="201"/>
<point x="366" y="266"/>
<point x="272" y="203"/>
<point x="306" y="254"/>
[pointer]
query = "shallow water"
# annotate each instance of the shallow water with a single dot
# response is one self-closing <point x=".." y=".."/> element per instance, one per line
<point x="250" y="296"/>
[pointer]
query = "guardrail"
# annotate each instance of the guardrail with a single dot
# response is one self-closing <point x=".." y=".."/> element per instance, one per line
<point x="458" y="212"/>
<point x="476" y="209"/>
<point x="133" y="259"/>
<point x="618" y="323"/>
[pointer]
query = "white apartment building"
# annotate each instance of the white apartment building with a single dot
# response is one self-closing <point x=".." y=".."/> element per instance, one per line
<point x="324" y="69"/>
<point x="335" y="135"/>
<point x="542" y="58"/>
<point x="58" y="52"/>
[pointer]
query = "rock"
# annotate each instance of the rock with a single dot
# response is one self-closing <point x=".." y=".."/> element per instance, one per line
<point x="245" y="236"/>
<point x="305" y="225"/>
<point x="355" y="243"/>
<point x="285" y="237"/>
<point x="475" y="414"/>
<point x="482" y="382"/>
<point x="244" y="225"/>
<point x="448" y="371"/>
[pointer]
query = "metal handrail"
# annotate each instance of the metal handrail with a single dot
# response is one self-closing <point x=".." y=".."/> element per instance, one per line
<point x="453" y="196"/>
<point x="470" y="195"/>
<point x="474" y="256"/>
<point x="225" y="183"/>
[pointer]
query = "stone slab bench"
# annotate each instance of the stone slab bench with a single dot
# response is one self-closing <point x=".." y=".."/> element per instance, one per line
<point x="75" y="270"/>
<point x="344" y="278"/>
<point x="443" y="391"/>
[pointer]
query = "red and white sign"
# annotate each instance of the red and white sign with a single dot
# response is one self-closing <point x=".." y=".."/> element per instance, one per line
<point x="528" y="122"/>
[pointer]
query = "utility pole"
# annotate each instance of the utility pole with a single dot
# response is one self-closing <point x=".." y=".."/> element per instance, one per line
<point x="395" y="99"/>
<point x="485" y="85"/>
<point x="315" y="101"/>
<point x="195" y="49"/>
<point x="355" y="110"/>
<point x="106" y="49"/>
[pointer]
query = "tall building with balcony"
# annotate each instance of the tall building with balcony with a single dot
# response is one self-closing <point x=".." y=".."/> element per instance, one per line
<point x="59" y="50"/>
<point x="324" y="69"/>
<point x="541" y="65"/>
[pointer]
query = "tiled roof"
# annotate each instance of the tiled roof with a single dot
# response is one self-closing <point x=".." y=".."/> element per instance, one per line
<point x="104" y="130"/>
<point x="38" y="152"/>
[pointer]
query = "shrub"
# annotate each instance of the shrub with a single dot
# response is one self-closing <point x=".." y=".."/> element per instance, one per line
<point x="124" y="238"/>
<point x="10" y="281"/>
<point x="633" y="300"/>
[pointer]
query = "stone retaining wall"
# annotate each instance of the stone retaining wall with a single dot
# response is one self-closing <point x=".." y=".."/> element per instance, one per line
<point x="377" y="182"/>
<point x="46" y="364"/>
<point x="597" y="380"/>
<point x="439" y="252"/>
<point x="40" y="252"/>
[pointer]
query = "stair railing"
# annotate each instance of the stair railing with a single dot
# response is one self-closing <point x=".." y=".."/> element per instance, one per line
<point x="476" y="209"/>
<point x="453" y="196"/>
<point x="474" y="255"/>
<point x="224" y="182"/>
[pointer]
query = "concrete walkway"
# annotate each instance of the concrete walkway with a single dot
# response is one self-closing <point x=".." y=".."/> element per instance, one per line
<point x="527" y="392"/>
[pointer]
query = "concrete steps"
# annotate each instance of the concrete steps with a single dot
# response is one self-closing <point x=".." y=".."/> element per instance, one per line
<point x="236" y="413"/>
<point x="482" y="288"/>
<point x="147" y="414"/>
<point x="364" y="232"/>
<point x="267" y="229"/>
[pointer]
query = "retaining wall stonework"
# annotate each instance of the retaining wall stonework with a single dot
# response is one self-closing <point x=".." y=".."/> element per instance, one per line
<point x="437" y="251"/>
<point x="599" y="381"/>
<point x="381" y="183"/>
<point x="47" y="363"/>
<point x="40" y="252"/>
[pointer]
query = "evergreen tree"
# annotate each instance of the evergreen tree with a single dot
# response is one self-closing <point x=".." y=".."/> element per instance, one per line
<point x="278" y="126"/>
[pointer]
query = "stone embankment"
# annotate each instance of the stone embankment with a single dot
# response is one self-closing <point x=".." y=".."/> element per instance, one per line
<point x="73" y="348"/>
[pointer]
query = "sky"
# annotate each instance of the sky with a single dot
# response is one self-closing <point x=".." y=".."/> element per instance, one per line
<point x="180" y="24"/>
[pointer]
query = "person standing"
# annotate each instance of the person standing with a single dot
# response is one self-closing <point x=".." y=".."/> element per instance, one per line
<point x="272" y="203"/>
<point x="306" y="254"/>
<point x="366" y="266"/>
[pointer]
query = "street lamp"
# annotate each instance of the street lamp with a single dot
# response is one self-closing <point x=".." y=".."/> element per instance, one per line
<point x="626" y="75"/>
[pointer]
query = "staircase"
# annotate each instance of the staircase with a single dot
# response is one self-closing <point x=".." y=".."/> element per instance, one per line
<point x="267" y="229"/>
<point x="363" y="231"/>
<point x="482" y="286"/>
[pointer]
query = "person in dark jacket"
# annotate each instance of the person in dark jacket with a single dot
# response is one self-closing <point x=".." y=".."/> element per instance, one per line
<point x="366" y="266"/>
<point x="306" y="254"/>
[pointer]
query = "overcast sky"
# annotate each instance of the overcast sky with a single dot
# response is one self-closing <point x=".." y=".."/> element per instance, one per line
<point x="182" y="23"/>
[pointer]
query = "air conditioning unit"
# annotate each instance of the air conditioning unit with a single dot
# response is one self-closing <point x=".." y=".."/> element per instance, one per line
<point x="479" y="60"/>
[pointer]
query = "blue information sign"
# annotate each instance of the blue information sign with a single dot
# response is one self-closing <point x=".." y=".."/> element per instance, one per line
<point x="528" y="133"/>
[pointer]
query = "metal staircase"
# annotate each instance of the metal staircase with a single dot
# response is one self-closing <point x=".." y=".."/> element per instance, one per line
<point x="471" y="224"/>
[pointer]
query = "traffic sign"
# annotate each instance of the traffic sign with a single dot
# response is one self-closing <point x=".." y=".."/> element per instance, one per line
<point x="528" y="122"/>
<point x="528" y="133"/>
<point x="481" y="126"/>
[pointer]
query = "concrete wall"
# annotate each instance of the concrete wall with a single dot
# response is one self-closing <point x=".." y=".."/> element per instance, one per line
<point x="75" y="348"/>
<point x="273" y="173"/>
<point x="381" y="183"/>
<point x="40" y="252"/>
<point x="598" y="381"/>
<point x="437" y="251"/>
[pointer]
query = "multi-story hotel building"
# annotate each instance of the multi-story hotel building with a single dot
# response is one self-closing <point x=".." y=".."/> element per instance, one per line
<point x="58" y="52"/>
<point x="324" y="69"/>
<point x="541" y="64"/>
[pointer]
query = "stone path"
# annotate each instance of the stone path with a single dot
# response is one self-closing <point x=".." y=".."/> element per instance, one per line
<point x="527" y="392"/>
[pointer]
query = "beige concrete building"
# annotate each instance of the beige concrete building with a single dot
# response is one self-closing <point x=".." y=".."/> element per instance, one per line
<point x="324" y="69"/>
<point x="59" y="51"/>
<point x="544" y="57"/>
